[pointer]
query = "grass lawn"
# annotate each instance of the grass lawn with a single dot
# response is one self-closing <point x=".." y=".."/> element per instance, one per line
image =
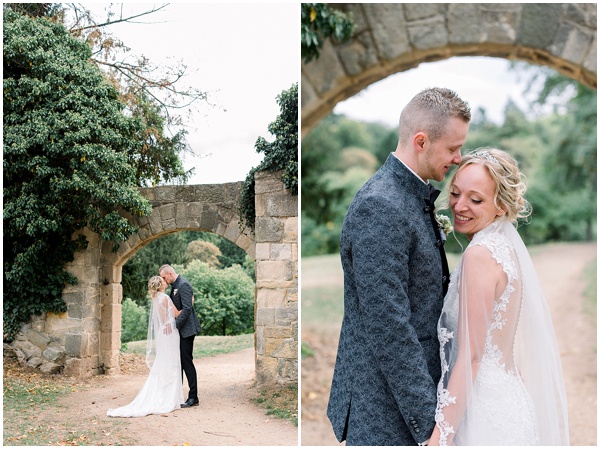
<point x="204" y="346"/>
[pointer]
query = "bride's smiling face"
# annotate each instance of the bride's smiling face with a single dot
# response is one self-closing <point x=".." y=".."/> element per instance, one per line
<point x="472" y="200"/>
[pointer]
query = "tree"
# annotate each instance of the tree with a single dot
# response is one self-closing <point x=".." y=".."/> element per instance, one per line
<point x="204" y="251"/>
<point x="172" y="249"/>
<point x="281" y="154"/>
<point x="320" y="22"/>
<point x="65" y="164"/>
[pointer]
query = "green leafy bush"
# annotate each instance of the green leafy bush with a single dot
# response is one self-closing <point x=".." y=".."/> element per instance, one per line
<point x="134" y="321"/>
<point x="224" y="298"/>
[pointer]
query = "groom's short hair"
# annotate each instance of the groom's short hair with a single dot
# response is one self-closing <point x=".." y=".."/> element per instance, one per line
<point x="429" y="112"/>
<point x="166" y="267"/>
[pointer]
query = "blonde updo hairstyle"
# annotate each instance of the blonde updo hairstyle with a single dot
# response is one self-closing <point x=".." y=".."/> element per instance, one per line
<point x="154" y="284"/>
<point x="509" y="192"/>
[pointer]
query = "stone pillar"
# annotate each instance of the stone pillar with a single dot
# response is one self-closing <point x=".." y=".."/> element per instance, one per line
<point x="276" y="309"/>
<point x="82" y="339"/>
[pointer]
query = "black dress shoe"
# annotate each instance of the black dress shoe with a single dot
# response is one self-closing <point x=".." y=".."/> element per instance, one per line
<point x="190" y="403"/>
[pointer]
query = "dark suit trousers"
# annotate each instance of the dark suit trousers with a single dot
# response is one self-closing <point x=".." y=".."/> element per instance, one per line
<point x="186" y="348"/>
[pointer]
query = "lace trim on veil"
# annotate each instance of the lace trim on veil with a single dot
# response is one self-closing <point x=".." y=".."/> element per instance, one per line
<point x="500" y="251"/>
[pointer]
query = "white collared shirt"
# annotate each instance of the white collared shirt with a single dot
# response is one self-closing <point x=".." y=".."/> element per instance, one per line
<point x="411" y="170"/>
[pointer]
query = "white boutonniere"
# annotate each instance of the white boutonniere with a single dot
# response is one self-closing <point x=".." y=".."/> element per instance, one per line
<point x="175" y="291"/>
<point x="444" y="224"/>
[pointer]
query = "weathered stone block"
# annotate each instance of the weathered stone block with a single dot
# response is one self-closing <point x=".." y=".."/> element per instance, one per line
<point x="266" y="370"/>
<point x="111" y="317"/>
<point x="464" y="23"/>
<point x="282" y="205"/>
<point x="326" y="76"/>
<point x="539" y="24"/>
<point x="273" y="270"/>
<point x="155" y="222"/>
<point x="359" y="54"/>
<point x="428" y="33"/>
<point x="281" y="251"/>
<point x="75" y="297"/>
<point x="73" y="344"/>
<point x="389" y="29"/>
<point x="38" y="339"/>
<point x="288" y="370"/>
<point x="232" y="233"/>
<point x="110" y="341"/>
<point x="290" y="231"/>
<point x="259" y="339"/>
<point x="75" y="311"/>
<point x="35" y="362"/>
<point x="185" y="193"/>
<point x="73" y="367"/>
<point x="28" y="349"/>
<point x="269" y="229"/>
<point x="270" y="298"/>
<point x="169" y="224"/>
<point x="280" y="333"/>
<point x="265" y="317"/>
<point x="263" y="251"/>
<point x="572" y="44"/>
<point x="164" y="193"/>
<point x="53" y="353"/>
<point x="50" y="368"/>
<point x="209" y="219"/>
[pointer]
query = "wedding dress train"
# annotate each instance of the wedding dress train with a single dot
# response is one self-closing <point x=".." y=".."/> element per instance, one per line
<point x="163" y="390"/>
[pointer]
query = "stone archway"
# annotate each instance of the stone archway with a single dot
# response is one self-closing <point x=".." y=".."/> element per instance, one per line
<point x="85" y="340"/>
<point x="391" y="38"/>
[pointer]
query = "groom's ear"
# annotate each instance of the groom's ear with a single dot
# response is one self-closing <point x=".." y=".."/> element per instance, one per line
<point x="419" y="140"/>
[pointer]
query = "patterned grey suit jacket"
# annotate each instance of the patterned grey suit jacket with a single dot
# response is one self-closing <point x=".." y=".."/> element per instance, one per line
<point x="181" y="294"/>
<point x="388" y="363"/>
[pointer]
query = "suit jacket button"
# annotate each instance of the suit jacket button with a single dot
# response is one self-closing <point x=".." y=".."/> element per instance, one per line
<point x="427" y="209"/>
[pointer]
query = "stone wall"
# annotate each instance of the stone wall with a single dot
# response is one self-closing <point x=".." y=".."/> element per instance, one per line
<point x="276" y="309"/>
<point x="85" y="340"/>
<point x="394" y="37"/>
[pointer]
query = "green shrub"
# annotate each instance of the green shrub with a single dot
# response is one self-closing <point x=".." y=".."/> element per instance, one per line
<point x="134" y="322"/>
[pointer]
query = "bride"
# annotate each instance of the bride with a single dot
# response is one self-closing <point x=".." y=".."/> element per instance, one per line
<point x="502" y="380"/>
<point x="163" y="391"/>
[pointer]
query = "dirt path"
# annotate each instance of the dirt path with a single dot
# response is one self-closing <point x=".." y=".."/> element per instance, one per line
<point x="560" y="268"/>
<point x="225" y="416"/>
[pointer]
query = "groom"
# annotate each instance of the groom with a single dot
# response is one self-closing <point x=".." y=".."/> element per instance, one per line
<point x="188" y="325"/>
<point x="395" y="276"/>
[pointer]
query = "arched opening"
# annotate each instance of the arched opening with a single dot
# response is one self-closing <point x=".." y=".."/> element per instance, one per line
<point x="223" y="278"/>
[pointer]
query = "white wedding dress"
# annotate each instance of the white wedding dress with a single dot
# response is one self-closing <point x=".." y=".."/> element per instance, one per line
<point x="501" y="379"/>
<point x="163" y="390"/>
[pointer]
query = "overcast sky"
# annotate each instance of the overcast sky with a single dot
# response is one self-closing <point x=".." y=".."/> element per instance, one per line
<point x="481" y="81"/>
<point x="243" y="55"/>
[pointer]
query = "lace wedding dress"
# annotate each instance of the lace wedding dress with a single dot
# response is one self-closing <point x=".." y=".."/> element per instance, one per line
<point x="163" y="391"/>
<point x="501" y="379"/>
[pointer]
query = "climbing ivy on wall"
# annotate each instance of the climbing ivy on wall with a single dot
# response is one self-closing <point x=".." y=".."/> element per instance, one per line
<point x="65" y="163"/>
<point x="281" y="154"/>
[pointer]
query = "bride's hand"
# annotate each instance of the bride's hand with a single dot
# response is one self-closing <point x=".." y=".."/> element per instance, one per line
<point x="434" y="440"/>
<point x="167" y="330"/>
